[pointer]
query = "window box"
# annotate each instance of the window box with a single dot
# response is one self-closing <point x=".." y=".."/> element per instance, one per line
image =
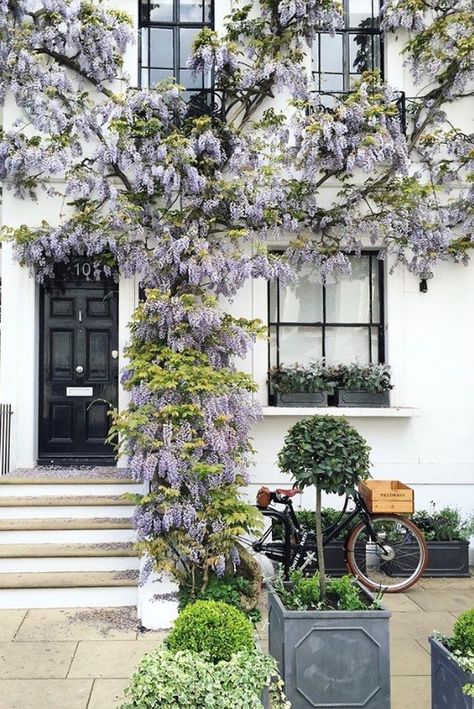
<point x="302" y="398"/>
<point x="361" y="398"/>
<point x="448" y="680"/>
<point x="331" y="658"/>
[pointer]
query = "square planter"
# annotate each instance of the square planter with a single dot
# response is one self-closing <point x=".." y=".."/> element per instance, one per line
<point x="362" y="398"/>
<point x="302" y="398"/>
<point x="447" y="680"/>
<point x="445" y="559"/>
<point x="331" y="658"/>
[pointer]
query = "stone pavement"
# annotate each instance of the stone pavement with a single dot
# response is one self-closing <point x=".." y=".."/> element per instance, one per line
<point x="82" y="659"/>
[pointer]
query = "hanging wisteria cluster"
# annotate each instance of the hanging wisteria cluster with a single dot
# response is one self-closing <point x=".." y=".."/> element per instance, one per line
<point x="190" y="204"/>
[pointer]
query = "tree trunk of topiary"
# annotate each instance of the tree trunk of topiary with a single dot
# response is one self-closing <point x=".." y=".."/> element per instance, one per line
<point x="319" y="545"/>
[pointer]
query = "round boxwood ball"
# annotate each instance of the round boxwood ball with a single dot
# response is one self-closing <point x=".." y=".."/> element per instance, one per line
<point x="212" y="627"/>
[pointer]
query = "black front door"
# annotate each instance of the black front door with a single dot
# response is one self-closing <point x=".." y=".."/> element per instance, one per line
<point x="79" y="371"/>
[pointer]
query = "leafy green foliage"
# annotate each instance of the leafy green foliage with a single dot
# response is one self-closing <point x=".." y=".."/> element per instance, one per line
<point x="303" y="593"/>
<point x="297" y="378"/>
<point x="213" y="628"/>
<point x="185" y="680"/>
<point x="373" y="377"/>
<point x="236" y="591"/>
<point x="445" y="525"/>
<point x="325" y="451"/>
<point x="462" y="640"/>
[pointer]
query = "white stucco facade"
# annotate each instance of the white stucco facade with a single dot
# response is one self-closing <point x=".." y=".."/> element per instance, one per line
<point x="426" y="439"/>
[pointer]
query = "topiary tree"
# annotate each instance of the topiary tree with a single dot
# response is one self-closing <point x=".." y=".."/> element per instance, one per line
<point x="327" y="452"/>
<point x="212" y="627"/>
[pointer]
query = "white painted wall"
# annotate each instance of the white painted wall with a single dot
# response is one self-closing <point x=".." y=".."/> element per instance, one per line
<point x="430" y="346"/>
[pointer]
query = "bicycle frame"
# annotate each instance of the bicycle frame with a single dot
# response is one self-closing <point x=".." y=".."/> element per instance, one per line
<point x="290" y="524"/>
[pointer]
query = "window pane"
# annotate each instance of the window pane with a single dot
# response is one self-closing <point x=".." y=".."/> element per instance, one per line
<point x="347" y="297"/>
<point x="347" y="344"/>
<point x="331" y="52"/>
<point x="375" y="345"/>
<point x="161" y="48"/>
<point x="273" y="303"/>
<point x="157" y="75"/>
<point x="161" y="11"/>
<point x="187" y="79"/>
<point x="192" y="10"/>
<point x="360" y="13"/>
<point x="145" y="78"/>
<point x="332" y="82"/>
<point x="186" y="39"/>
<point x="144" y="46"/>
<point x="360" y="51"/>
<point x="300" y="344"/>
<point x="273" y="347"/>
<point x="315" y="54"/>
<point x="376" y="314"/>
<point x="302" y="301"/>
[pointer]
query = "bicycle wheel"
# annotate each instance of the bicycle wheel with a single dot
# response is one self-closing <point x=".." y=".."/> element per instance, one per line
<point x="392" y="559"/>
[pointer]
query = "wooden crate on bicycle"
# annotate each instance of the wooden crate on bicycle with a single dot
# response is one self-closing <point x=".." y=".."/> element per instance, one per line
<point x="387" y="496"/>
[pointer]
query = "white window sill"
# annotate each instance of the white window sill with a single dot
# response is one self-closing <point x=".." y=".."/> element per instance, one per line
<point x="388" y="412"/>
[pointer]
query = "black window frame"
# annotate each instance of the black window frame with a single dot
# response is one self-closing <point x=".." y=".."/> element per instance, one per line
<point x="144" y="23"/>
<point x="374" y="262"/>
<point x="374" y="32"/>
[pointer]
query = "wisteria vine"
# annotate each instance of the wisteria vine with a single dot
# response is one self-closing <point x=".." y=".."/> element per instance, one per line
<point x="191" y="204"/>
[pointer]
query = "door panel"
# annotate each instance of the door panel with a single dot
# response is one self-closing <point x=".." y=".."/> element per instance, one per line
<point x="79" y="339"/>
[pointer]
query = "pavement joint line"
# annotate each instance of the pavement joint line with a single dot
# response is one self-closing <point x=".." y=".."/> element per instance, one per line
<point x="27" y="610"/>
<point x="90" y="693"/>
<point x="72" y="659"/>
<point x="422" y="646"/>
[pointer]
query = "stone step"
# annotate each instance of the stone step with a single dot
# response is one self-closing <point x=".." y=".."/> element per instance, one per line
<point x="51" y="480"/>
<point x="69" y="579"/>
<point x="54" y="501"/>
<point x="49" y="523"/>
<point x="14" y="551"/>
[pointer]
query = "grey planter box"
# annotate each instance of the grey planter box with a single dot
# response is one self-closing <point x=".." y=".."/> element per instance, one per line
<point x="331" y="658"/>
<point x="447" y="680"/>
<point x="302" y="398"/>
<point x="362" y="398"/>
<point x="445" y="559"/>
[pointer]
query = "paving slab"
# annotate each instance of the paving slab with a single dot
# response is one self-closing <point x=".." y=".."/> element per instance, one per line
<point x="44" y="693"/>
<point x="10" y="621"/>
<point x="400" y="603"/>
<point x="455" y="600"/>
<point x="110" y="659"/>
<point x="107" y="694"/>
<point x="411" y="692"/>
<point x="35" y="660"/>
<point x="78" y="624"/>
<point x="419" y="626"/>
<point x="407" y="657"/>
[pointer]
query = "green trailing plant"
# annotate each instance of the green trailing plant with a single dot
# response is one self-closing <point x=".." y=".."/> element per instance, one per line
<point x="325" y="452"/>
<point x="185" y="680"/>
<point x="297" y="378"/>
<point x="461" y="645"/>
<point x="372" y="378"/>
<point x="445" y="525"/>
<point x="304" y="593"/>
<point x="235" y="590"/>
<point x="213" y="628"/>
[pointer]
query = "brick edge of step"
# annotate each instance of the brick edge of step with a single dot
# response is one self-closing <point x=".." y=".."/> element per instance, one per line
<point x="68" y="579"/>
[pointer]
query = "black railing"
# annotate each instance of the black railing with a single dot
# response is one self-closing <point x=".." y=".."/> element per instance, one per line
<point x="205" y="102"/>
<point x="5" y="437"/>
<point x="399" y="102"/>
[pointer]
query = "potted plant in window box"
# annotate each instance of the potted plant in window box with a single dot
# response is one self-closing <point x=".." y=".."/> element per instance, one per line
<point x="330" y="639"/>
<point x="447" y="536"/>
<point x="357" y="385"/>
<point x="299" y="385"/>
<point x="452" y="666"/>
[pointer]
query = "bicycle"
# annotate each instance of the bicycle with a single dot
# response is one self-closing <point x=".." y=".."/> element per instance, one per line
<point x="385" y="552"/>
